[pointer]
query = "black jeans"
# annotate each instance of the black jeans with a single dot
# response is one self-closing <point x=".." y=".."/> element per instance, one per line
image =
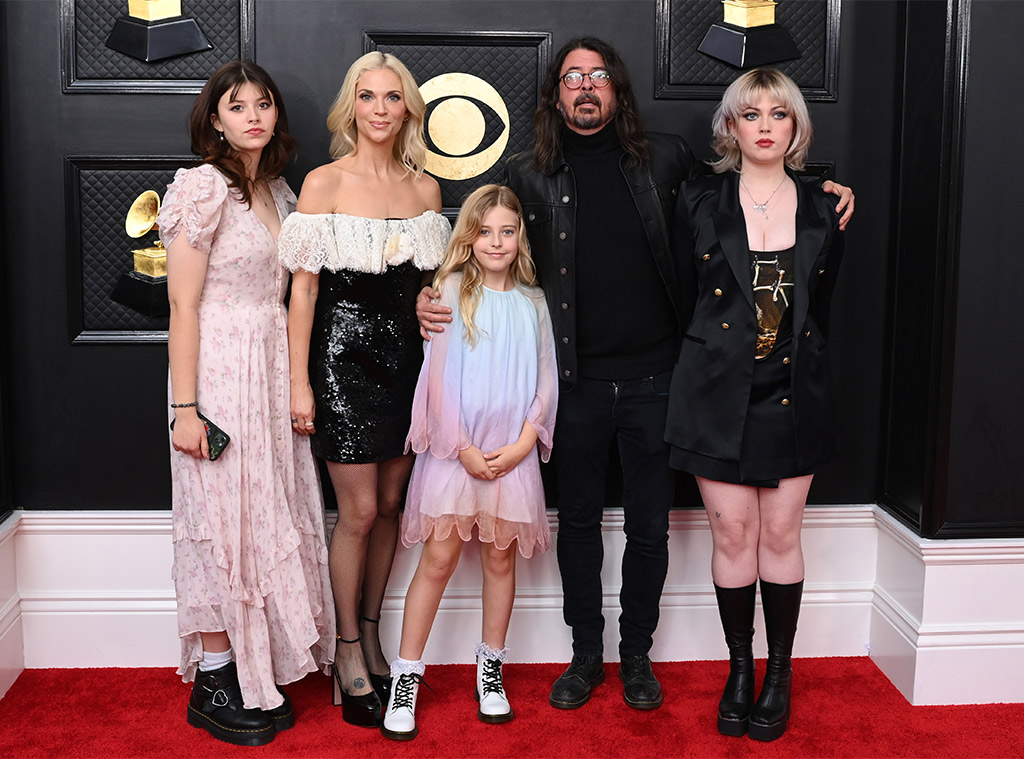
<point x="591" y="415"/>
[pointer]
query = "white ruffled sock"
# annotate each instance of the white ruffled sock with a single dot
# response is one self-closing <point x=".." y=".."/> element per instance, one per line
<point x="486" y="652"/>
<point x="402" y="666"/>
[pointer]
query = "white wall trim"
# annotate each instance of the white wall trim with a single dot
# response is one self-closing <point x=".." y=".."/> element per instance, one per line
<point x="91" y="589"/>
<point x="947" y="623"/>
<point x="12" y="643"/>
<point x="106" y="576"/>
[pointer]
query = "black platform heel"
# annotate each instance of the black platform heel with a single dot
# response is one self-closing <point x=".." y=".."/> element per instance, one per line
<point x="362" y="711"/>
<point x="381" y="683"/>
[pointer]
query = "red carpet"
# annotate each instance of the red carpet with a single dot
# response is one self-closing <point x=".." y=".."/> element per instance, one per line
<point x="842" y="708"/>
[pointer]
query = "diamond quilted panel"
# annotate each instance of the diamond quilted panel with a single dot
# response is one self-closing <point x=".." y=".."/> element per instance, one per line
<point x="514" y="70"/>
<point x="689" y="20"/>
<point x="219" y="20"/>
<point x="105" y="192"/>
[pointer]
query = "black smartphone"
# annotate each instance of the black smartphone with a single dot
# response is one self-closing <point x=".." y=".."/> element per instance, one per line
<point x="216" y="438"/>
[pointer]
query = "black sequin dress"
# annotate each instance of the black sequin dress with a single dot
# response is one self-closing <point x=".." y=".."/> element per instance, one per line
<point x="365" y="349"/>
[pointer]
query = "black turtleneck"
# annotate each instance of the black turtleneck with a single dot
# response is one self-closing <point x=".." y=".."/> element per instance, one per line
<point x="625" y="325"/>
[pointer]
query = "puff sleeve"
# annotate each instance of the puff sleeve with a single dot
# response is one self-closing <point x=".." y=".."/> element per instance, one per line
<point x="193" y="204"/>
<point x="284" y="193"/>
<point x="437" y="423"/>
<point x="541" y="415"/>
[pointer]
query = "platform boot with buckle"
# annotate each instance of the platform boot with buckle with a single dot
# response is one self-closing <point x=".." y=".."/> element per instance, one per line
<point x="216" y="706"/>
<point x="490" y="688"/>
<point x="736" y="609"/>
<point x="781" y="604"/>
<point x="283" y="716"/>
<point x="400" y="716"/>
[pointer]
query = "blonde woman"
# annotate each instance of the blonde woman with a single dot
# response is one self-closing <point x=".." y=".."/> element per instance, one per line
<point x="367" y="232"/>
<point x="751" y="407"/>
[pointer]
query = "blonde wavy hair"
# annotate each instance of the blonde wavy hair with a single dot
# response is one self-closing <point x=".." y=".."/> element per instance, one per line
<point x="745" y="92"/>
<point x="410" y="148"/>
<point x="458" y="257"/>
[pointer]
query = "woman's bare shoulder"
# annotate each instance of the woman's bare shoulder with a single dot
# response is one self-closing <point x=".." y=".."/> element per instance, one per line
<point x="320" y="188"/>
<point x="429" y="192"/>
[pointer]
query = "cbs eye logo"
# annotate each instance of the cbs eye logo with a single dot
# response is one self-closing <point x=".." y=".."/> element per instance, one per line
<point x="464" y="114"/>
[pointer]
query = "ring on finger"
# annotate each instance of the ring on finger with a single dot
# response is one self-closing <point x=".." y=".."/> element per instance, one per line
<point x="309" y="424"/>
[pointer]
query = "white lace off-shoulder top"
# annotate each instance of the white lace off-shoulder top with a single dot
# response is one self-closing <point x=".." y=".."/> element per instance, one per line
<point x="337" y="241"/>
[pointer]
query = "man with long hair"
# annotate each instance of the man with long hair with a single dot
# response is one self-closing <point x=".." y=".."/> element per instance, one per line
<point x="597" y="193"/>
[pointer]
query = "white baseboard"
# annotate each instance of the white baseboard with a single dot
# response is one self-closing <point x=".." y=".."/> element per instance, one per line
<point x="93" y="589"/>
<point x="96" y="589"/>
<point x="12" y="639"/>
<point x="947" y="623"/>
<point x="839" y="549"/>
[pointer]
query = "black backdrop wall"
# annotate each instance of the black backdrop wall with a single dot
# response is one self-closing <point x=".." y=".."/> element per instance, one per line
<point x="87" y="420"/>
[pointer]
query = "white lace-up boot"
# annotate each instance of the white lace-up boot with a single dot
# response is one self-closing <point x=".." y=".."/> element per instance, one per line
<point x="400" y="717"/>
<point x="490" y="690"/>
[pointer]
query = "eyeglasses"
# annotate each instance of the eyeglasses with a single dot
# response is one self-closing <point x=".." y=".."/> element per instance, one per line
<point x="574" y="79"/>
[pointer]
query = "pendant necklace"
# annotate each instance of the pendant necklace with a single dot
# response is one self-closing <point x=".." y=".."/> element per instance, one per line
<point x="762" y="208"/>
<point x="261" y="191"/>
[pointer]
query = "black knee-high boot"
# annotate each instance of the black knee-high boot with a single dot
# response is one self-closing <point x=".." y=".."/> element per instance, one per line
<point x="736" y="608"/>
<point x="781" y="605"/>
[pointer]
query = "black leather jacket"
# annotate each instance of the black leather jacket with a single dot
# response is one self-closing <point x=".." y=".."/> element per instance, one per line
<point x="549" y="208"/>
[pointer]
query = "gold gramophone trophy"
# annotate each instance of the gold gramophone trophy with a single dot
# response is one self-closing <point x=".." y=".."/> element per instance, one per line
<point x="748" y="36"/>
<point x="154" y="30"/>
<point x="144" y="288"/>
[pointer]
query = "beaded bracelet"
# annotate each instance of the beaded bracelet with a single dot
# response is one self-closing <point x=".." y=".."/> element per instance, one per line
<point x="185" y="405"/>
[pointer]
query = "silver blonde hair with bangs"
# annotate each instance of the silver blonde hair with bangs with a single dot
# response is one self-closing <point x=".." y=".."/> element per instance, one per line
<point x="742" y="94"/>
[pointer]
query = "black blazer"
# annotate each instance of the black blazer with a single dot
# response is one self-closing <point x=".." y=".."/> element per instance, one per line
<point x="711" y="382"/>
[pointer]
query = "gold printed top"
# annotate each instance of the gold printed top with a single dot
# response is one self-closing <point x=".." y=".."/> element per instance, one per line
<point x="772" y="279"/>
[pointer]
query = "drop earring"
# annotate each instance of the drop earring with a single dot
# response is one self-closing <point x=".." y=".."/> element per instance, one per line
<point x="221" y="135"/>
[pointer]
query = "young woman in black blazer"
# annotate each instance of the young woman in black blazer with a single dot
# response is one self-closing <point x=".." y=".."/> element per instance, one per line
<point x="751" y="407"/>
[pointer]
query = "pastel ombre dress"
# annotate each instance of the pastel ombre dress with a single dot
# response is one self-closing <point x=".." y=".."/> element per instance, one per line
<point x="481" y="395"/>
<point x="249" y="551"/>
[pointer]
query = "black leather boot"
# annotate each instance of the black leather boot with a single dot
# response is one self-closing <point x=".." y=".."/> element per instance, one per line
<point x="572" y="689"/>
<point x="216" y="706"/>
<point x="283" y="717"/>
<point x="640" y="688"/>
<point x="781" y="605"/>
<point x="736" y="608"/>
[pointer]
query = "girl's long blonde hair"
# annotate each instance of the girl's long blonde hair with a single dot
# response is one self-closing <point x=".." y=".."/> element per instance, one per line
<point x="458" y="257"/>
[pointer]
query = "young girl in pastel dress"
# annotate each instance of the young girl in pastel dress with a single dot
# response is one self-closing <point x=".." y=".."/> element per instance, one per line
<point x="485" y="402"/>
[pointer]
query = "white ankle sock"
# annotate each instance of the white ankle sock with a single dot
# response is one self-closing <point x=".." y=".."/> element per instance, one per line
<point x="215" y="660"/>
<point x="400" y="666"/>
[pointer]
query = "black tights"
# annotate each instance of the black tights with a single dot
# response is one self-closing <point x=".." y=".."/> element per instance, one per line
<point x="362" y="550"/>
